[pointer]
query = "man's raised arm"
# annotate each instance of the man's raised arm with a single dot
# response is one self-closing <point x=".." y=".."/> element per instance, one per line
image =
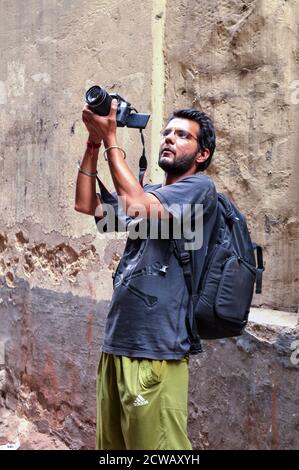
<point x="126" y="185"/>
<point x="86" y="200"/>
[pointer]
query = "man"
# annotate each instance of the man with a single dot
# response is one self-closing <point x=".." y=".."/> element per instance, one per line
<point x="142" y="388"/>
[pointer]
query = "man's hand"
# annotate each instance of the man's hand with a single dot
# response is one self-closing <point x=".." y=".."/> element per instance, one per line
<point x="101" y="127"/>
<point x="93" y="134"/>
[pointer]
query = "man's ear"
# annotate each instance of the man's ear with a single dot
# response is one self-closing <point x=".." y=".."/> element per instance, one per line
<point x="202" y="156"/>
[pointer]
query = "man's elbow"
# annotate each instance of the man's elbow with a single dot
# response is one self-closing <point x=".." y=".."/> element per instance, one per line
<point x="148" y="207"/>
<point x="95" y="212"/>
<point x="84" y="210"/>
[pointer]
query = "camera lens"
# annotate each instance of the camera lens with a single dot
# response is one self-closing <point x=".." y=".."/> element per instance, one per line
<point x="94" y="94"/>
<point x="98" y="100"/>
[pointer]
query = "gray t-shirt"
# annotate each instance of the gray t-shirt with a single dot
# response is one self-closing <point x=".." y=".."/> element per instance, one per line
<point x="149" y="307"/>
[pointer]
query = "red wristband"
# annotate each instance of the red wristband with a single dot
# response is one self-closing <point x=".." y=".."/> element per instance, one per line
<point x="93" y="145"/>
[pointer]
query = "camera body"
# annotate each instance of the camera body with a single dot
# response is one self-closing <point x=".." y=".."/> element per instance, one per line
<point x="99" y="101"/>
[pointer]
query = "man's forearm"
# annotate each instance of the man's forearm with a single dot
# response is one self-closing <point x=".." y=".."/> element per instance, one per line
<point x="136" y="200"/>
<point x="86" y="197"/>
<point x="125" y="183"/>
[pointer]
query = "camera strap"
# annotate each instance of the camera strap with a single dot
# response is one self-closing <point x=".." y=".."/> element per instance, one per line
<point x="142" y="160"/>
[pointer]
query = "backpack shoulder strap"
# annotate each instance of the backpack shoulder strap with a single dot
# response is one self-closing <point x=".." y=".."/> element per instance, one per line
<point x="184" y="258"/>
<point x="184" y="255"/>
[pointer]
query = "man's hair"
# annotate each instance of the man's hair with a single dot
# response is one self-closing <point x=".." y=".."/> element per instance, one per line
<point x="206" y="138"/>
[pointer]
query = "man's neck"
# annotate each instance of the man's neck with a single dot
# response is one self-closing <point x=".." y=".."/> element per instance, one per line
<point x="171" y="178"/>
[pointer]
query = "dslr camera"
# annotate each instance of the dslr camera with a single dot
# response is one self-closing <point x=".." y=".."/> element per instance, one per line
<point x="99" y="102"/>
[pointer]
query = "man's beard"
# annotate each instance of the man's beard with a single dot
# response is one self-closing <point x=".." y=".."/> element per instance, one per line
<point x="173" y="166"/>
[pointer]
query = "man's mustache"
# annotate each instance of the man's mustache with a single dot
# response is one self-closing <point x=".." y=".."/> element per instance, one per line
<point x="167" y="148"/>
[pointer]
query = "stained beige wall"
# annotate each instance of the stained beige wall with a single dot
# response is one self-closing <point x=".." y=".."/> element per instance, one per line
<point x="54" y="267"/>
<point x="238" y="62"/>
<point x="235" y="60"/>
<point x="53" y="52"/>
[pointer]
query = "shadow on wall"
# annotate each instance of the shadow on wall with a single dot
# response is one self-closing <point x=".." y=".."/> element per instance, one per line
<point x="51" y="344"/>
<point x="243" y="391"/>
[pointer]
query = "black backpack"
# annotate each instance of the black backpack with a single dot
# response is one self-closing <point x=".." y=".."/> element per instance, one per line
<point x="220" y="306"/>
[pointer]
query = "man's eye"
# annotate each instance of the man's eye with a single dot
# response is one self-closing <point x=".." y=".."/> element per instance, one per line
<point x="165" y="133"/>
<point x="182" y="134"/>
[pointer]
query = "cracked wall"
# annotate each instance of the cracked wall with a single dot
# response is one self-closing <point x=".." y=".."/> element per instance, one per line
<point x="237" y="61"/>
<point x="55" y="270"/>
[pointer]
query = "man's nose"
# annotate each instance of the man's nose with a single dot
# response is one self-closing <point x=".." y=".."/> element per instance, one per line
<point x="170" y="137"/>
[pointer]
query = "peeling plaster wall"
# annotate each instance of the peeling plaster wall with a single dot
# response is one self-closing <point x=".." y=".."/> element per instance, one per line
<point x="237" y="61"/>
<point x="244" y="392"/>
<point x="53" y="51"/>
<point x="51" y="352"/>
<point x="55" y="269"/>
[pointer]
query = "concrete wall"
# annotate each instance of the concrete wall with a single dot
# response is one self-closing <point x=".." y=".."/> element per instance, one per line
<point x="55" y="270"/>
<point x="244" y="391"/>
<point x="236" y="60"/>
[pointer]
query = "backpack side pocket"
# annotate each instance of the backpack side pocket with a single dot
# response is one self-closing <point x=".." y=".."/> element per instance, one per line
<point x="235" y="291"/>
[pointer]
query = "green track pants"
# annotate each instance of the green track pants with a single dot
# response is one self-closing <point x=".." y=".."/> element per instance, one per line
<point x="142" y="404"/>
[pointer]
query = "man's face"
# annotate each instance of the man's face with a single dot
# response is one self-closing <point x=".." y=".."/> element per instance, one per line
<point x="179" y="146"/>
